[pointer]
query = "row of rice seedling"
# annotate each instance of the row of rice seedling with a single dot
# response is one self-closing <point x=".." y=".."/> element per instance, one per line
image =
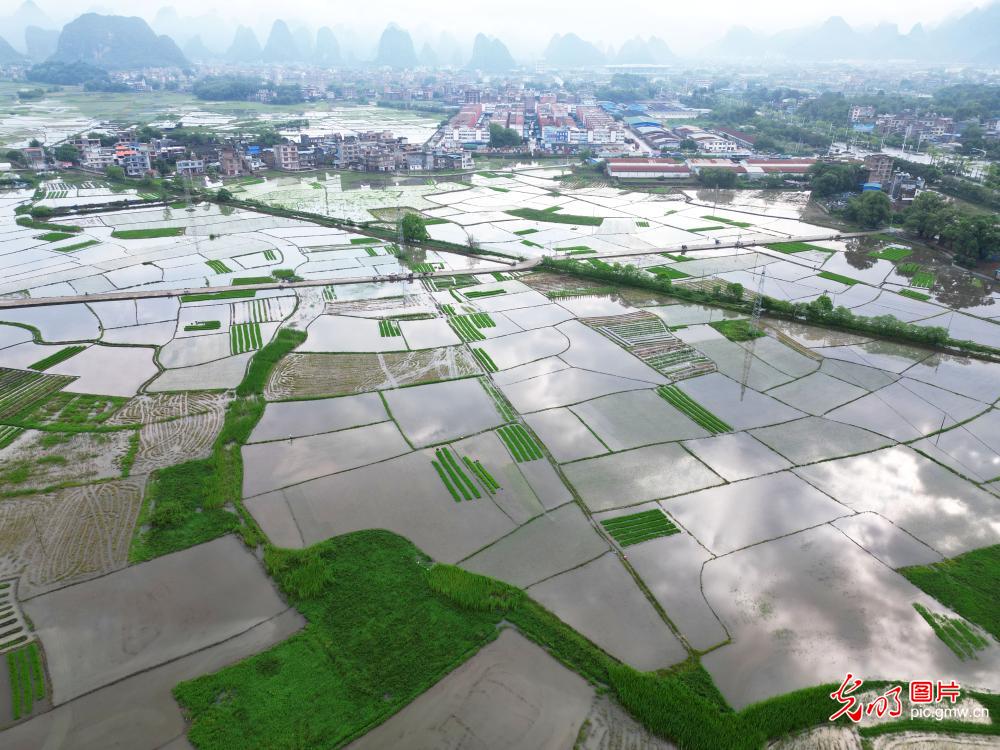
<point x="244" y="337"/>
<point x="364" y="240"/>
<point x="485" y="478"/>
<point x="742" y="224"/>
<point x="698" y="413"/>
<point x="388" y="329"/>
<point x="505" y="409"/>
<point x="468" y="326"/>
<point x="218" y="266"/>
<point x="204" y="325"/>
<point x="486" y="293"/>
<point x="76" y="246"/>
<point x="642" y="224"/>
<point x="27" y="679"/>
<point x="453" y="476"/>
<point x="790" y="248"/>
<point x="914" y="295"/>
<point x="448" y="310"/>
<point x="667" y="272"/>
<point x="55" y="358"/>
<point x="829" y="275"/>
<point x="372" y="252"/>
<point x="893" y="253"/>
<point x="211" y="296"/>
<point x="955" y="632"/>
<point x="8" y="434"/>
<point x="484" y="359"/>
<point x="20" y="389"/>
<point x="422" y="268"/>
<point x="640" y="527"/>
<point x="923" y="278"/>
<point x="329" y="293"/>
<point x="520" y="444"/>
<point x="269" y="254"/>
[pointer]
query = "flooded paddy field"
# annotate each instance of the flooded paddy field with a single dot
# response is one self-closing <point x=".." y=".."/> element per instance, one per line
<point x="509" y="427"/>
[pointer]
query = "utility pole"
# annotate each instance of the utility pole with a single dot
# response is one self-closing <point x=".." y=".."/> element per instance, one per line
<point x="754" y="327"/>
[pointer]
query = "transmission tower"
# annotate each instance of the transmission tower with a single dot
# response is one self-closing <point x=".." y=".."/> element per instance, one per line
<point x="753" y="328"/>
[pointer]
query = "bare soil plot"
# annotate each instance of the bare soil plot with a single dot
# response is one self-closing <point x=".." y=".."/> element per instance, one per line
<point x="440" y="412"/>
<point x="69" y="535"/>
<point x="632" y="419"/>
<point x="404" y="495"/>
<point x="298" y="418"/>
<point x="948" y="513"/>
<point x="638" y="475"/>
<point x="554" y="542"/>
<point x="670" y="567"/>
<point x="140" y="712"/>
<point x="811" y="607"/>
<point x="736" y="456"/>
<point x="512" y="694"/>
<point x="737" y="515"/>
<point x="165" y="443"/>
<point x="145" y="409"/>
<point x="603" y="602"/>
<point x="35" y="461"/>
<point x="313" y="375"/>
<point x="813" y="439"/>
<point x="565" y="435"/>
<point x="271" y="466"/>
<point x="143" y="616"/>
<point x="887" y="542"/>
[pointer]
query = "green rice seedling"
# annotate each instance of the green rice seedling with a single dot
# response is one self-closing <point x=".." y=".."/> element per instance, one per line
<point x="484" y="359"/>
<point x="204" y="325"/>
<point x="244" y="337"/>
<point x="796" y="247"/>
<point x="36" y="671"/>
<point x="523" y="232"/>
<point x="642" y="224"/>
<point x="706" y="229"/>
<point x="247" y="280"/>
<point x="54" y="236"/>
<point x="731" y="222"/>
<point x="448" y="310"/>
<point x="329" y="293"/>
<point x="695" y="411"/>
<point x="486" y="293"/>
<point x="503" y="406"/>
<point x="676" y="258"/>
<point x="446" y="482"/>
<point x="639" y="527"/>
<point x="956" y="634"/>
<point x="914" y="295"/>
<point x="520" y="444"/>
<point x="56" y="357"/>
<point x="908" y="269"/>
<point x="736" y="330"/>
<point x="577" y="250"/>
<point x="480" y="472"/>
<point x="8" y="434"/>
<point x="500" y="276"/>
<point x="891" y="253"/>
<point x="668" y="272"/>
<point x="364" y="241"/>
<point x="923" y="278"/>
<point x="372" y="252"/>
<point x="550" y="215"/>
<point x="389" y="329"/>
<point x="147" y="234"/>
<point x="76" y="246"/>
<point x="218" y="266"/>
<point x="269" y="254"/>
<point x="459" y="479"/>
<point x="829" y="275"/>
<point x="228" y="294"/>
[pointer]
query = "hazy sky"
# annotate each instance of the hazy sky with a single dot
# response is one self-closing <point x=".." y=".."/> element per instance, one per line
<point x="526" y="25"/>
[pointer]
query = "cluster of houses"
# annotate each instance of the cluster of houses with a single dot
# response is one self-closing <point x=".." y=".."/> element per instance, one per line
<point x="656" y="168"/>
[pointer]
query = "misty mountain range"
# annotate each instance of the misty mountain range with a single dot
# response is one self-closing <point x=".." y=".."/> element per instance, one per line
<point x="118" y="42"/>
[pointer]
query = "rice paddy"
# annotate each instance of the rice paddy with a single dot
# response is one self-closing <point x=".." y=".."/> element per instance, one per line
<point x="520" y="444"/>
<point x="923" y="278"/>
<point x="217" y="266"/>
<point x="533" y="214"/>
<point x="484" y="359"/>
<point x="147" y="234"/>
<point x="485" y="293"/>
<point x="847" y="280"/>
<point x="388" y="329"/>
<point x="956" y="634"/>
<point x="639" y="527"/>
<point x="210" y="296"/>
<point x="790" y="248"/>
<point x="892" y="253"/>
<point x="731" y="222"/>
<point x="914" y="295"/>
<point x="55" y="358"/>
<point x="667" y="272"/>
<point x="698" y="413"/>
<point x="244" y="337"/>
<point x="21" y="389"/>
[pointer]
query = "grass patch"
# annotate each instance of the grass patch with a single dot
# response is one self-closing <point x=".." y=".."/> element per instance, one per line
<point x="963" y="641"/>
<point x="639" y="527"/>
<point x="265" y="360"/>
<point x="56" y="357"/>
<point x="228" y="294"/>
<point x="218" y="266"/>
<point x="520" y="444"/>
<point x="914" y="295"/>
<point x="695" y="411"/>
<point x="668" y="272"/>
<point x="790" y="248"/>
<point x="471" y="591"/>
<point x="147" y="234"/>
<point x="966" y="584"/>
<point x="204" y="325"/>
<point x="54" y="236"/>
<point x="891" y="253"/>
<point x="550" y="215"/>
<point x="730" y="222"/>
<point x="737" y="330"/>
<point x="388" y="329"/>
<point x="829" y="275"/>
<point x="76" y="246"/>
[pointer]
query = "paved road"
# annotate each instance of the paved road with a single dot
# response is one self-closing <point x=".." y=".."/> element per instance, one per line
<point x="525" y="265"/>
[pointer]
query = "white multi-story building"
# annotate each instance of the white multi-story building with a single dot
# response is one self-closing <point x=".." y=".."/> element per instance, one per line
<point x="286" y="157"/>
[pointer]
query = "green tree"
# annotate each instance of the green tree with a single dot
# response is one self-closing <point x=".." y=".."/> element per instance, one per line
<point x="66" y="152"/>
<point x="114" y="172"/>
<point x="501" y="137"/>
<point x="717" y="178"/>
<point x="688" y="144"/>
<point x="414" y="228"/>
<point x="871" y="209"/>
<point x="223" y="196"/>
